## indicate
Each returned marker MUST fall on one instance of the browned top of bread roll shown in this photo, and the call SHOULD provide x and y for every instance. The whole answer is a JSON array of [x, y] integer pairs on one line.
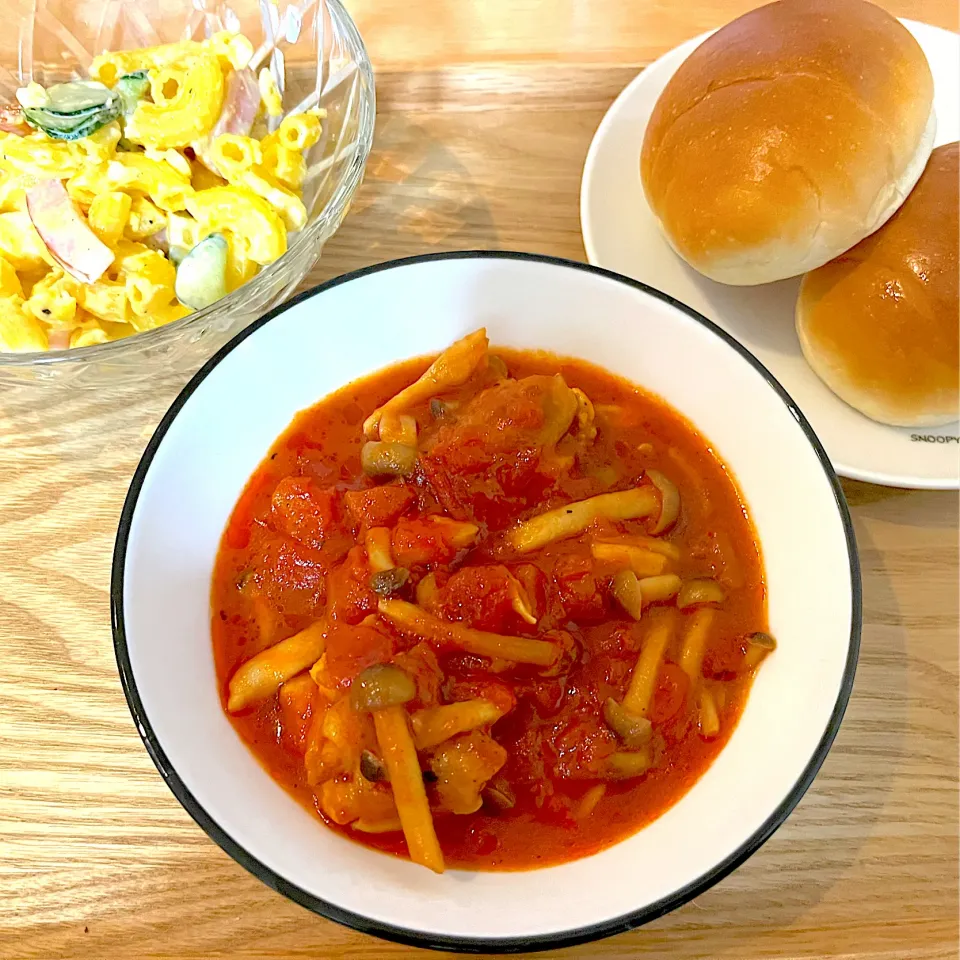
[[788, 136], [881, 323]]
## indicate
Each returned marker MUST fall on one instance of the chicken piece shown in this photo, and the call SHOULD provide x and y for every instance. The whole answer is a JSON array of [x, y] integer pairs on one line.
[[298, 699], [338, 736], [581, 748], [345, 800], [586, 416], [463, 766], [499, 454]]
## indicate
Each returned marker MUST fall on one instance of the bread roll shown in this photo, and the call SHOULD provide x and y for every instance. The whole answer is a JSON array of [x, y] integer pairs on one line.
[[787, 137], [880, 324]]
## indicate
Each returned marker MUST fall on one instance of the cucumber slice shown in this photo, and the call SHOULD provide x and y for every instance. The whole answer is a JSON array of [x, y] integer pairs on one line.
[[73, 128], [131, 88], [74, 110], [202, 273], [44, 117], [77, 96]]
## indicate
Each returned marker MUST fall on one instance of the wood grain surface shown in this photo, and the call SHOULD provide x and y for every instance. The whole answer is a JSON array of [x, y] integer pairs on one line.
[[486, 111]]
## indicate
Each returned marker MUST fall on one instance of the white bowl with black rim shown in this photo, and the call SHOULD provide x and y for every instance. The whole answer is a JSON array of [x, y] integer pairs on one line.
[[223, 423]]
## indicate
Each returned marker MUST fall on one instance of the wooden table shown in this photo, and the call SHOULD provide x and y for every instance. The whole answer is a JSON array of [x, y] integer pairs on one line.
[[485, 114]]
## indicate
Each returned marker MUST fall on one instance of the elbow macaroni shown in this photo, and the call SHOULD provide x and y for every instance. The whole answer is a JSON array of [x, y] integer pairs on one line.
[[238, 211], [145, 220], [286, 167], [108, 215], [20, 332], [40, 157], [287, 204], [233, 50], [136, 173], [88, 333], [300, 132], [106, 300], [53, 299], [12, 194], [270, 93], [149, 278], [109, 67], [147, 192], [186, 105], [10, 285], [20, 244], [232, 155]]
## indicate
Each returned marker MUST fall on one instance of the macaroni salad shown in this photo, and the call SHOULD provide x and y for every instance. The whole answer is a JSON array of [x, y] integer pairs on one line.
[[145, 192]]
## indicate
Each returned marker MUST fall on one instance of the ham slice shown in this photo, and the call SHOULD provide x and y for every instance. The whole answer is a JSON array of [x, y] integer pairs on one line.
[[64, 232]]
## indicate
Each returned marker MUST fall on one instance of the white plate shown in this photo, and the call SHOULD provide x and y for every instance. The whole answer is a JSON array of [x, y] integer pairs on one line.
[[225, 420], [621, 234]]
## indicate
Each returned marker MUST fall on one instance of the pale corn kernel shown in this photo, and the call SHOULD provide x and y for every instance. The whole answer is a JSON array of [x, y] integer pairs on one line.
[[164, 314]]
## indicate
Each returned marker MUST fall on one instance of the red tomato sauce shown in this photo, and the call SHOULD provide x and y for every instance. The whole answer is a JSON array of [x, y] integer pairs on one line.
[[293, 552]]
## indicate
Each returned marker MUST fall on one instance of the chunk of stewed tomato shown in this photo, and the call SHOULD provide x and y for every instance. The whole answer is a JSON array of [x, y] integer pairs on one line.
[[350, 597], [351, 649], [378, 506], [304, 511], [482, 596], [578, 589], [430, 539]]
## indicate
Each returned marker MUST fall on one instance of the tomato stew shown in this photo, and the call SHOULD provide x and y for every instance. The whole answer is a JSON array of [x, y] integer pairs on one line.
[[501, 618]]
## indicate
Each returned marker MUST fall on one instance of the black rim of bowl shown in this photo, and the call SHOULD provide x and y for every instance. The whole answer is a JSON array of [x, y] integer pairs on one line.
[[564, 938]]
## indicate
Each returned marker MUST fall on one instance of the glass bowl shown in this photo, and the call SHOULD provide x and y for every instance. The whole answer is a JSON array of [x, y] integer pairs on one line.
[[315, 53]]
